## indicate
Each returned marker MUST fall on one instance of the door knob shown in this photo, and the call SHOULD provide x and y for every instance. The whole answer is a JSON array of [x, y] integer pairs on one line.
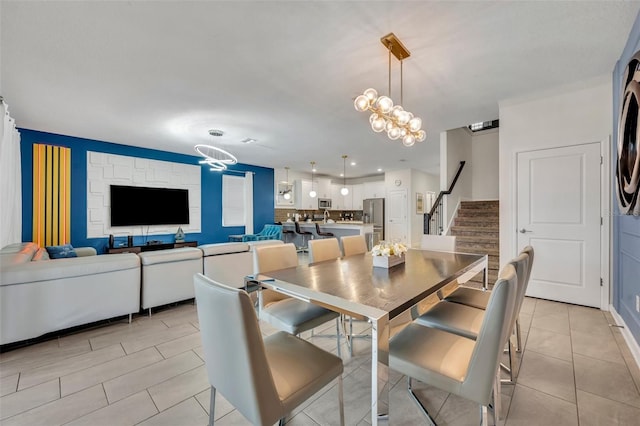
[[522, 231]]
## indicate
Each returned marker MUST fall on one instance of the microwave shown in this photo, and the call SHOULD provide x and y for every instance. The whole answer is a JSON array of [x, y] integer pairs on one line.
[[324, 203]]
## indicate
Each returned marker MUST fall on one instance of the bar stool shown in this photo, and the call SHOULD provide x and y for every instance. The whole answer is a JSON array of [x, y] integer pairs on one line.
[[286, 233], [305, 236], [323, 234]]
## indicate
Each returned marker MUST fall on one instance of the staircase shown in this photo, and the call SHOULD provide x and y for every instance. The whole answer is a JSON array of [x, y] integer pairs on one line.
[[476, 228]]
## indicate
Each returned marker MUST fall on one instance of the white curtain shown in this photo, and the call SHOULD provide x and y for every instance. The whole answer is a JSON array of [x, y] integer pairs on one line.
[[10, 181], [248, 203]]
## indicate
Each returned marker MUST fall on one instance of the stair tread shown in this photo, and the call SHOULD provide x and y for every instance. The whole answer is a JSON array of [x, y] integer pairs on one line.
[[477, 238]]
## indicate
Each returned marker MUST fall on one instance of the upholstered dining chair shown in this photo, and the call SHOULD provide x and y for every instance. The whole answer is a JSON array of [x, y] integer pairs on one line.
[[466, 320], [353, 244], [479, 298], [263, 379], [283, 312], [324, 249], [456, 364], [328, 249]]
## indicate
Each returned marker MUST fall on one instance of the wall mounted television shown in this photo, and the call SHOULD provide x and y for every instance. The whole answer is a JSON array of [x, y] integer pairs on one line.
[[139, 205]]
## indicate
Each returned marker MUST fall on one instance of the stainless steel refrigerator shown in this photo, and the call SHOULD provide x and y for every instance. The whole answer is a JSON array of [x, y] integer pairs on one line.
[[373, 212]]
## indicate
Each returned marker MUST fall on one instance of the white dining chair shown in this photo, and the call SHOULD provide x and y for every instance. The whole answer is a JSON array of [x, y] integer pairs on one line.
[[479, 298], [458, 365], [466, 320], [324, 249], [283, 312], [264, 380], [353, 244]]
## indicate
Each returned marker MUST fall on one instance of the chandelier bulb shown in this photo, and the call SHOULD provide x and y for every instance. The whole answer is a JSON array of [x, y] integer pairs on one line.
[[344, 190], [313, 194], [371, 94], [385, 104], [378, 124], [393, 133], [361, 103], [373, 117], [422, 135], [415, 124], [408, 140]]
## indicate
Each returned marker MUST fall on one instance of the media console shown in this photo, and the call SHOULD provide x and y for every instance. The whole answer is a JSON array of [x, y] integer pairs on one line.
[[151, 247]]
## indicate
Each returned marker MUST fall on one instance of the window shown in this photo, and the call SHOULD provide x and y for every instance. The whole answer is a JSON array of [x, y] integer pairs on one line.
[[233, 201]]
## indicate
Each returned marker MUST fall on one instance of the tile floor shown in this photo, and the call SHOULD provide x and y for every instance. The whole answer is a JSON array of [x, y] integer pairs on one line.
[[575, 370]]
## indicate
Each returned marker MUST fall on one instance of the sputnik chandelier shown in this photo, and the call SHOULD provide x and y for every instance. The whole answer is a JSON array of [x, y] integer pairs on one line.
[[215, 157], [397, 122]]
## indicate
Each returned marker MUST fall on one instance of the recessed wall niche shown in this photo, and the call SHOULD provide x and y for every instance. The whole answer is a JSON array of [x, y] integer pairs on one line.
[[104, 170]]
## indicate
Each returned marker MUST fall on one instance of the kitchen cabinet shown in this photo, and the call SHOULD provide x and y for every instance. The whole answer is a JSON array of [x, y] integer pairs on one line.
[[304, 200], [339, 201], [322, 187], [357, 196], [374, 189]]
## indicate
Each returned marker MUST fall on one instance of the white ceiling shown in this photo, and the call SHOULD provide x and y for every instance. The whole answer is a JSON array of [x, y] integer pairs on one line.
[[161, 74]]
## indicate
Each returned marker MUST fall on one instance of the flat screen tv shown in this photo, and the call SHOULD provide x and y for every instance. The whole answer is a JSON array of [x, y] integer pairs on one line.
[[139, 205]]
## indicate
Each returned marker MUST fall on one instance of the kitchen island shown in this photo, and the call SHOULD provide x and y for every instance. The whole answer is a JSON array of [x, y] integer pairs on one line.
[[339, 229]]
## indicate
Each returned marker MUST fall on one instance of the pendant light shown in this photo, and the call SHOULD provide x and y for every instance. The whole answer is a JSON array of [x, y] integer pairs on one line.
[[287, 191], [344, 190], [312, 193]]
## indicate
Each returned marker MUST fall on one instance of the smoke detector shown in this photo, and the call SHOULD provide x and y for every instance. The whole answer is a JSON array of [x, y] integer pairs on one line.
[[216, 132]]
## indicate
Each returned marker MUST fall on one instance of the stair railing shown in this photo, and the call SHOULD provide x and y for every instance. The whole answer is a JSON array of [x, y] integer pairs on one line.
[[434, 220]]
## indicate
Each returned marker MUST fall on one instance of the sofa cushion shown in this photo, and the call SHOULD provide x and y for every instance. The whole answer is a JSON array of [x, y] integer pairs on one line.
[[66, 268], [223, 248], [170, 255], [61, 252], [41, 254], [18, 253]]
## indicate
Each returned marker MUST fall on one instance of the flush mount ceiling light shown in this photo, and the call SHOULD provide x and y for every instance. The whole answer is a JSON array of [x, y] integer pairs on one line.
[[398, 123], [312, 193], [344, 190], [216, 158]]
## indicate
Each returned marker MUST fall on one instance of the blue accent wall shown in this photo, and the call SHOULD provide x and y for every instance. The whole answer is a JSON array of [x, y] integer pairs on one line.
[[211, 189], [626, 229]]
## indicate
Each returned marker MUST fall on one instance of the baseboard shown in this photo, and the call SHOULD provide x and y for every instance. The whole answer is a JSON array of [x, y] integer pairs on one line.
[[631, 342]]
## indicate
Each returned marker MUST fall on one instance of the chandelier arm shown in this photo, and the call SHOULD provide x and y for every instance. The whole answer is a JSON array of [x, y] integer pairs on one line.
[[389, 72], [401, 84]]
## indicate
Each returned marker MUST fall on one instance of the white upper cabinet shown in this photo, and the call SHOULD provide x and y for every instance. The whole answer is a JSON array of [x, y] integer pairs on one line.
[[322, 187], [305, 200], [374, 189], [357, 196]]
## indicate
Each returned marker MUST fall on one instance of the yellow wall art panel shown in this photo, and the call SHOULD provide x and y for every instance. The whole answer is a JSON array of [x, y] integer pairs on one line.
[[51, 195]]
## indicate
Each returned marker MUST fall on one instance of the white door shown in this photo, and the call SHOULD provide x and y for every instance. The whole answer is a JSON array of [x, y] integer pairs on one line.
[[397, 215], [559, 215]]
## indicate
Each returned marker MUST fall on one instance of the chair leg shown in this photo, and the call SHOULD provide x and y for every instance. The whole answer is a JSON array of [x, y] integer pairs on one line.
[[422, 407], [341, 400], [212, 406], [338, 334], [484, 415], [497, 401], [518, 336], [513, 367]]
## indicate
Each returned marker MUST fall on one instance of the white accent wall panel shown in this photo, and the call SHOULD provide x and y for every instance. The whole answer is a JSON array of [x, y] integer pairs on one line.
[[104, 170]]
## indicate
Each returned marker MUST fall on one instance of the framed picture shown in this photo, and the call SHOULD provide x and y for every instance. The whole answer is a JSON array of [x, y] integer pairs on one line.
[[419, 203]]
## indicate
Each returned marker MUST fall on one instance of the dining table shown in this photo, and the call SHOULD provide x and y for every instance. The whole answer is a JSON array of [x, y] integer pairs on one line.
[[353, 286]]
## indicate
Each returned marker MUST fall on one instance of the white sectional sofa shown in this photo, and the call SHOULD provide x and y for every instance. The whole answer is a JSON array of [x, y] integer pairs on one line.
[[167, 275], [39, 295]]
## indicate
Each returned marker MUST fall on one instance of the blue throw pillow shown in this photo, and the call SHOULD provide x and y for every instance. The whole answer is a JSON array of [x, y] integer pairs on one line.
[[61, 252]]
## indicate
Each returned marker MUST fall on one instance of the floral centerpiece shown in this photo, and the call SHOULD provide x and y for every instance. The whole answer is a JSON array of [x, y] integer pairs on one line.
[[386, 254]]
